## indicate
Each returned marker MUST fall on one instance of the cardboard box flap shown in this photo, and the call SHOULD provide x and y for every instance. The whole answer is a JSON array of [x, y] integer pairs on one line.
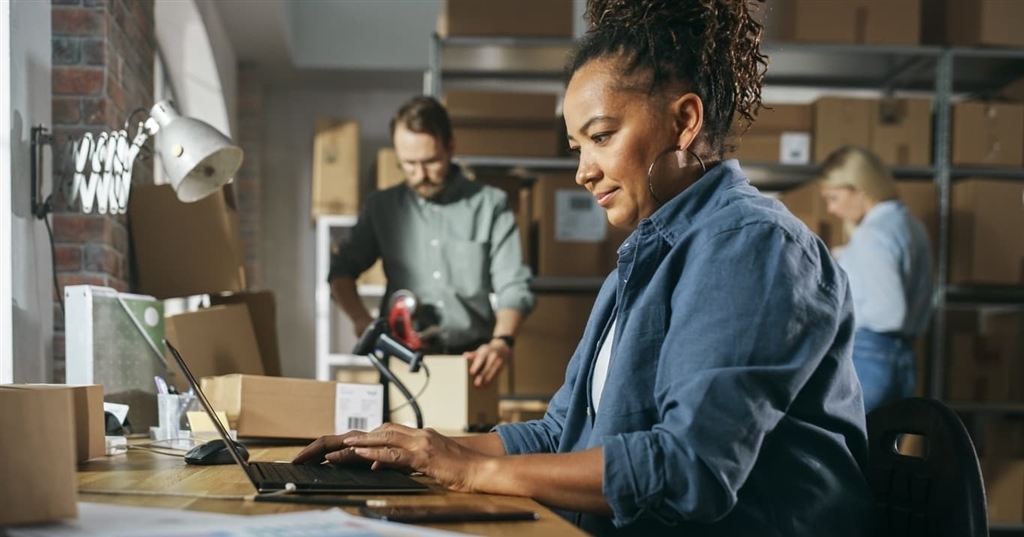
[[263, 314], [214, 341]]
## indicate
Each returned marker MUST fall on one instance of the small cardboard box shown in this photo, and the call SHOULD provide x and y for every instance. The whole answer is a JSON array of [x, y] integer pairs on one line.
[[988, 134], [389, 172], [845, 21], [278, 407], [263, 314], [546, 342], [531, 18], [503, 106], [572, 229], [901, 131], [838, 122], [512, 141], [784, 147], [449, 402], [184, 249], [87, 409], [969, 23], [335, 168], [37, 456], [1004, 489], [219, 340], [986, 243]]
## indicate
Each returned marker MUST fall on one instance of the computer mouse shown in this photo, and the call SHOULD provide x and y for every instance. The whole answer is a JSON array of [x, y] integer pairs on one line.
[[214, 452]]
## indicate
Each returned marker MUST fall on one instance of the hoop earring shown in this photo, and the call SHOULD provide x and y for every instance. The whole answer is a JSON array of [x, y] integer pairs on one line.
[[650, 169]]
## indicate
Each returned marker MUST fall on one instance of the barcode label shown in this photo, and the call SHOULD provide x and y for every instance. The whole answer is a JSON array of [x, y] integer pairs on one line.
[[357, 422], [578, 217], [358, 407]]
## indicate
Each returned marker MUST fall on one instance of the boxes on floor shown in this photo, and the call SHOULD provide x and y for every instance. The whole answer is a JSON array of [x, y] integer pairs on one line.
[[278, 407], [37, 456]]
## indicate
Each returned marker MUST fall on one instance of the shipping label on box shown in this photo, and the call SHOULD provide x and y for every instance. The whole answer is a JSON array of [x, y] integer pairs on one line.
[[795, 148], [358, 407], [578, 217]]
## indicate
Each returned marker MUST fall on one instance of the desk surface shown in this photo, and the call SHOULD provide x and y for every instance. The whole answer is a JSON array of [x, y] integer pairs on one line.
[[146, 471]]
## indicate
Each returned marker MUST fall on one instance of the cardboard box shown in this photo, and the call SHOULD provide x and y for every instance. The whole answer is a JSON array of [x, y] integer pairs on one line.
[[807, 204], [969, 23], [184, 249], [503, 106], [988, 134], [845, 21], [87, 410], [1014, 91], [784, 118], [977, 370], [278, 407], [901, 131], [1004, 489], [520, 201], [335, 167], [546, 342], [373, 275], [535, 141], [839, 122], [986, 243], [449, 402], [263, 314], [219, 340], [785, 148], [1004, 438], [572, 230], [1005, 331], [389, 171], [532, 18], [37, 456], [921, 199]]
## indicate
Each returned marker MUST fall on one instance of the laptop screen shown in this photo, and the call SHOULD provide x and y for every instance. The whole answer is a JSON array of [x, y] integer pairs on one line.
[[209, 410]]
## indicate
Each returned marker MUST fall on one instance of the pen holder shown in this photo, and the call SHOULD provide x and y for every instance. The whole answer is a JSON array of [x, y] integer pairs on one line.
[[169, 413]]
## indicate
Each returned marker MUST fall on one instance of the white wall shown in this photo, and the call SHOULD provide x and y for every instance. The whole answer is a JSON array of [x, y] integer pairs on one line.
[[27, 349], [288, 234]]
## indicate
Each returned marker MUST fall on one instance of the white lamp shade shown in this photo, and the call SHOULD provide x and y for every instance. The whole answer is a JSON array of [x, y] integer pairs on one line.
[[198, 159]]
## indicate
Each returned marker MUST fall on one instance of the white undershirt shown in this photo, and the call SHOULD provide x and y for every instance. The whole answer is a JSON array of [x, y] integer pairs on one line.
[[604, 356]]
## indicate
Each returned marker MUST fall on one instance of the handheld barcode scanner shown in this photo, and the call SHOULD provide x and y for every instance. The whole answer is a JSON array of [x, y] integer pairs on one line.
[[377, 339]]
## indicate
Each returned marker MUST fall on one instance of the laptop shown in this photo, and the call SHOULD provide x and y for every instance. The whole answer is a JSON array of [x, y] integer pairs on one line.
[[321, 478]]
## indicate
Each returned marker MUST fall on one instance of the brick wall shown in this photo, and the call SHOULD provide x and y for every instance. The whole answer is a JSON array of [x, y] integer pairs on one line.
[[248, 180], [103, 56]]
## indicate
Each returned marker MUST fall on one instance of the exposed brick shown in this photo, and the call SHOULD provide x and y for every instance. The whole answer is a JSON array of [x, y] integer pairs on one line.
[[95, 111], [116, 93], [68, 257], [120, 286], [82, 228], [77, 21], [67, 111], [66, 50], [81, 278], [94, 51], [120, 234], [77, 81], [102, 258]]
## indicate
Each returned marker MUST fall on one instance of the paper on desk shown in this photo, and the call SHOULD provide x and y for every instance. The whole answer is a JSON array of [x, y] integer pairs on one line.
[[96, 520]]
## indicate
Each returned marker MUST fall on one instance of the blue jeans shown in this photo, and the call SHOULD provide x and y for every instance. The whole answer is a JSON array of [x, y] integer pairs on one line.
[[886, 367]]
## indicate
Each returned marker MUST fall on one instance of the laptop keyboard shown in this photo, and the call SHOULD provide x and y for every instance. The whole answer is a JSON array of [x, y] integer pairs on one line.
[[324, 475]]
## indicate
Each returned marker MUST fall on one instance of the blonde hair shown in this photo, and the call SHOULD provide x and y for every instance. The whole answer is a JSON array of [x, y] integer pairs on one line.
[[854, 167]]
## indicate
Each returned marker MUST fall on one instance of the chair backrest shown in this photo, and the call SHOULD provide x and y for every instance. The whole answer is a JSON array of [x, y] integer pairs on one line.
[[936, 493]]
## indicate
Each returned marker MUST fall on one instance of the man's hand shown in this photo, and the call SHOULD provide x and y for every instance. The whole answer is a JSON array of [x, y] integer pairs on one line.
[[487, 360]]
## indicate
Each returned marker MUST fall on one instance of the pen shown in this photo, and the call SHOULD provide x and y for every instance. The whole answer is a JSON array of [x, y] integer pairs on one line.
[[317, 500]]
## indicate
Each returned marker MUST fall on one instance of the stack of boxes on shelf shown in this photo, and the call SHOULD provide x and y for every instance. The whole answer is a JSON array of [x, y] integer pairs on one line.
[[1001, 456]]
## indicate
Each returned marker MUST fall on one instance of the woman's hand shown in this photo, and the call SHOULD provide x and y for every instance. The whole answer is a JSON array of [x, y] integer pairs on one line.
[[331, 448], [456, 467]]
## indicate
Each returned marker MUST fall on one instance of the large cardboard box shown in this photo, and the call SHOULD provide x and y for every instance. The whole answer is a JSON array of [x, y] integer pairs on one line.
[[335, 167], [512, 141], [838, 122], [546, 341], [278, 407], [1004, 489], [449, 401], [986, 243], [978, 371], [784, 118], [781, 133], [219, 340], [37, 456], [505, 106], [532, 18], [901, 131], [184, 249], [389, 171], [87, 410], [807, 204], [263, 314], [572, 229], [988, 134], [969, 23], [845, 21], [1014, 91]]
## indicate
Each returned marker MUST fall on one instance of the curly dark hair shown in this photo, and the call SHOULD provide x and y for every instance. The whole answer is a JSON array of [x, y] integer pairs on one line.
[[713, 47]]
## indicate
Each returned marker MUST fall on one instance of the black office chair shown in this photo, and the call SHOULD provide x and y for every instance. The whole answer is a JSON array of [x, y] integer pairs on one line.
[[938, 491]]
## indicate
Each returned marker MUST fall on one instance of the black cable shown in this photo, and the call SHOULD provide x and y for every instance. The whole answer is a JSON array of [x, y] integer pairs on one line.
[[53, 263], [423, 367], [384, 370]]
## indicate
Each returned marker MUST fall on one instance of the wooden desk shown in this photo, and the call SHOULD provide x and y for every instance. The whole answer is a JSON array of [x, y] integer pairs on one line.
[[143, 470]]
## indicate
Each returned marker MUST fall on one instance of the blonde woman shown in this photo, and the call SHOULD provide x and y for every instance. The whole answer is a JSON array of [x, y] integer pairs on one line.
[[888, 262]]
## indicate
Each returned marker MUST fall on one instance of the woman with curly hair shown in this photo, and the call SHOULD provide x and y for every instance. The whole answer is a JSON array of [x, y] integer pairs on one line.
[[713, 391]]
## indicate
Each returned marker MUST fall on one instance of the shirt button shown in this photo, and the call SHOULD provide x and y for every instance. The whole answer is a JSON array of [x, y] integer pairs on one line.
[[434, 242], [437, 275], [439, 303]]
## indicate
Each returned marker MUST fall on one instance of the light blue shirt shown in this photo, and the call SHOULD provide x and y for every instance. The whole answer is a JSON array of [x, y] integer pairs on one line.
[[888, 262], [731, 406]]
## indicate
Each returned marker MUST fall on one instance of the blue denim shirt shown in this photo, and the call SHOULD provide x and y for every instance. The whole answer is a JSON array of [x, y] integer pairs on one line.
[[889, 265], [731, 406]]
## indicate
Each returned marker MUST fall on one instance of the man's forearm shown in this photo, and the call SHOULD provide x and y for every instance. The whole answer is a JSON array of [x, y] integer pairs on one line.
[[344, 292], [507, 321]]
